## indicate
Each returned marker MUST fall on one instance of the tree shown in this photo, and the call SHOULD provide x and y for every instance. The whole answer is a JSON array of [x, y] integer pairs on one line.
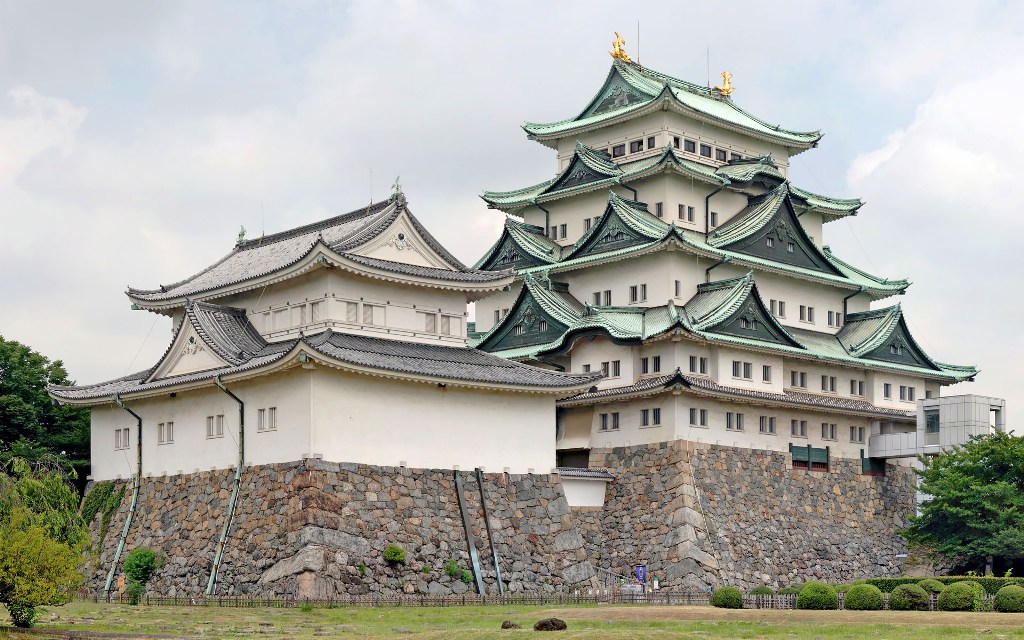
[[41, 536], [28, 418], [976, 505]]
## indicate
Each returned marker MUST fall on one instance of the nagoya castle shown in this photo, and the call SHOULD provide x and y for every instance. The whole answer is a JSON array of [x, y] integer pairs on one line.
[[672, 253]]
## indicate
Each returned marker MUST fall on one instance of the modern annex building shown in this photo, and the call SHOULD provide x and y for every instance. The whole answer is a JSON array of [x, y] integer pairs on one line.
[[672, 254]]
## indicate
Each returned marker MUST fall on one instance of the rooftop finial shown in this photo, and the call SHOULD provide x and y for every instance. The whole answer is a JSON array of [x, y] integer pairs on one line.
[[726, 87], [396, 189], [241, 235], [618, 51]]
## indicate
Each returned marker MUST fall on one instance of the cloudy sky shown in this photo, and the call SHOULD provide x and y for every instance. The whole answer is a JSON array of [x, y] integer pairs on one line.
[[136, 137]]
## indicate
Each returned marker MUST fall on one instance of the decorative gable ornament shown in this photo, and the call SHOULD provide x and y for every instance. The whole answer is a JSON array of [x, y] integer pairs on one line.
[[399, 242], [192, 347]]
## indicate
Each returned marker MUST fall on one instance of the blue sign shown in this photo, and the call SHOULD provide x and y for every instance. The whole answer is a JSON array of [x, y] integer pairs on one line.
[[641, 572]]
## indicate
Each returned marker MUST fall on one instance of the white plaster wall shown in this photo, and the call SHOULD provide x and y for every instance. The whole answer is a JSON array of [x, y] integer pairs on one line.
[[594, 350], [876, 388], [584, 493], [191, 450], [384, 422], [794, 292], [278, 310], [499, 301], [653, 269], [724, 357]]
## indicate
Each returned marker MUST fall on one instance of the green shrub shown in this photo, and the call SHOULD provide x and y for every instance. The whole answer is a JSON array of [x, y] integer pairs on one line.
[[991, 584], [909, 597], [467, 576], [842, 588], [23, 616], [306, 607], [861, 581], [135, 591], [452, 568], [816, 595], [931, 585], [362, 568], [141, 563], [962, 596], [1010, 599], [762, 591], [425, 569], [727, 598], [863, 597], [792, 589], [394, 554]]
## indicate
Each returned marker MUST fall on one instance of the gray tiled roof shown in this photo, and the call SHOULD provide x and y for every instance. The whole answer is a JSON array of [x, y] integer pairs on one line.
[[265, 255], [226, 329], [453, 363], [586, 474], [699, 383]]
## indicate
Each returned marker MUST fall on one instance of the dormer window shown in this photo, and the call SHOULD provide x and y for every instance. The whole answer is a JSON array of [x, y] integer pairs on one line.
[[519, 330], [790, 247], [542, 326], [770, 242], [896, 349]]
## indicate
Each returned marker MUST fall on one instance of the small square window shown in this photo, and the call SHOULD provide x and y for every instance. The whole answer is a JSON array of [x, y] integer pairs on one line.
[[618, 151], [650, 142], [769, 242], [705, 150], [720, 155], [562, 228], [656, 416], [887, 391], [645, 417], [586, 368], [604, 422], [645, 365], [689, 214], [587, 222], [675, 142], [735, 156], [690, 146], [766, 373], [656, 364], [608, 298], [616, 368], [636, 146], [659, 209], [597, 298], [790, 247], [714, 218], [615, 420]]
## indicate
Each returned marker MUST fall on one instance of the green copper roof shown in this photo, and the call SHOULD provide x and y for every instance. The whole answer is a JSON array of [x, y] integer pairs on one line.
[[624, 223], [587, 172], [729, 312], [520, 245], [629, 88]]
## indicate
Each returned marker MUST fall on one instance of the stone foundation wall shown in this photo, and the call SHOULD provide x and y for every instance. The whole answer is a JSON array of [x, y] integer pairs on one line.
[[304, 529], [705, 515]]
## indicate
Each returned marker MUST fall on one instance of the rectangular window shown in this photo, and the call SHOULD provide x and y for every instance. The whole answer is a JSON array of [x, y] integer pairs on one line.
[[497, 316], [720, 155], [454, 325], [446, 325], [215, 426], [693, 416], [553, 233], [373, 314], [834, 318], [586, 368], [699, 417], [281, 319], [618, 151], [587, 222], [604, 422], [737, 368], [828, 431], [714, 218], [608, 298], [209, 426], [615, 420], [645, 417], [121, 438], [887, 391], [903, 392], [636, 146], [803, 313], [782, 309], [675, 142], [766, 424], [657, 364], [429, 322], [261, 419], [645, 365], [798, 379], [352, 312], [794, 427], [803, 428], [597, 298], [689, 214], [616, 368], [856, 387], [316, 311], [729, 420], [705, 150], [605, 368], [810, 314], [563, 230], [704, 365], [650, 142], [678, 288], [272, 419], [690, 146], [828, 383], [504, 312], [856, 434], [735, 156], [633, 293], [659, 209], [766, 373], [910, 393], [656, 416], [931, 421]]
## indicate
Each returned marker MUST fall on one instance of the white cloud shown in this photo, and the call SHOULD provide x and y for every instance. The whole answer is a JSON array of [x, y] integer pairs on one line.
[[35, 124]]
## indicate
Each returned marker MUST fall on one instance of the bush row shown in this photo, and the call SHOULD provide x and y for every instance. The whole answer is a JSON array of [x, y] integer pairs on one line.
[[991, 584], [963, 595]]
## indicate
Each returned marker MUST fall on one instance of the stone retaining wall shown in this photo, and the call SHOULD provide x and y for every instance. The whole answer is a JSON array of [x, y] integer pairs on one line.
[[318, 529], [705, 515]]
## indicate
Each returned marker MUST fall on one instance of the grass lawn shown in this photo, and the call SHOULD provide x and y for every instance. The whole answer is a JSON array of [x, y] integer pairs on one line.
[[614, 622]]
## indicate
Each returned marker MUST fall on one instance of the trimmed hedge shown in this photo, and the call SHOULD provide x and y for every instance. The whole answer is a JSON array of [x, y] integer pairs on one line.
[[817, 595], [1010, 599], [727, 598], [931, 585], [842, 588], [909, 597], [991, 584], [762, 591], [962, 596], [791, 590], [863, 597]]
